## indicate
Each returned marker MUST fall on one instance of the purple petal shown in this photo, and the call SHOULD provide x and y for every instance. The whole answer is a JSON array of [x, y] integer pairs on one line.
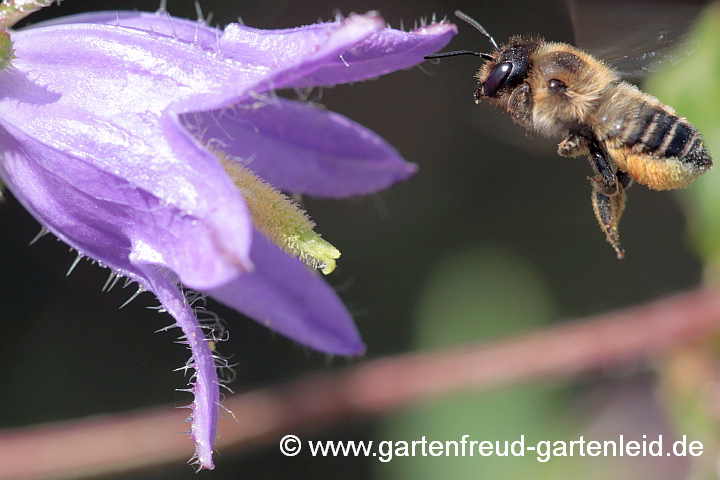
[[191, 31], [296, 53], [204, 384], [278, 50], [105, 217], [302, 149], [383, 52], [104, 97], [363, 57], [131, 231], [285, 295]]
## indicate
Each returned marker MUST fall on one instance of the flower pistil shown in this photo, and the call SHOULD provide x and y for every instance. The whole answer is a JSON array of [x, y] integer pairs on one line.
[[279, 218]]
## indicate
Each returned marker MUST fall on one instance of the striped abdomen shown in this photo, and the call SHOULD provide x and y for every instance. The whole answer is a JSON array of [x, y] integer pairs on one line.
[[649, 141]]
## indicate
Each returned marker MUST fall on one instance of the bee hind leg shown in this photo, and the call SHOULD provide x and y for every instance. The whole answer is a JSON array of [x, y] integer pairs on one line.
[[605, 181], [608, 210]]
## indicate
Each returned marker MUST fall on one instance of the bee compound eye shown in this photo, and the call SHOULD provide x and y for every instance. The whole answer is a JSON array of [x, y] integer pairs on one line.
[[556, 86], [497, 78]]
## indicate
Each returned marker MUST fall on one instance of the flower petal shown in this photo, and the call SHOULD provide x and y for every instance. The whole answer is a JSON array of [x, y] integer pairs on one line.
[[383, 52], [268, 51], [105, 97], [302, 149], [204, 384], [191, 31], [283, 294], [296, 53], [105, 217], [129, 230]]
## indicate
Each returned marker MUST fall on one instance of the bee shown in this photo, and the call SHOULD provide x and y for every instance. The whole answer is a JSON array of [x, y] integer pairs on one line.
[[628, 136]]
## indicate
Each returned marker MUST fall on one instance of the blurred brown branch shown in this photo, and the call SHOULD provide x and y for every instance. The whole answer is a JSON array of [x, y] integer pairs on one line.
[[319, 400]]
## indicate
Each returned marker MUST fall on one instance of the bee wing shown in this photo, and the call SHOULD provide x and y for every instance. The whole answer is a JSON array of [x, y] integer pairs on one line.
[[635, 37]]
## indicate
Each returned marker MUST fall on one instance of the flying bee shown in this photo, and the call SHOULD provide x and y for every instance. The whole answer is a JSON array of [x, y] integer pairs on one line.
[[556, 89]]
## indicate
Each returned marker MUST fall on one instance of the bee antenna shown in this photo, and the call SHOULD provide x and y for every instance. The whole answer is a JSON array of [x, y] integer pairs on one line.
[[475, 24], [459, 52]]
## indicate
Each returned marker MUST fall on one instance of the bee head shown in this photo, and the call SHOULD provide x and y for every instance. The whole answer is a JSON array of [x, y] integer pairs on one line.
[[508, 68], [505, 69]]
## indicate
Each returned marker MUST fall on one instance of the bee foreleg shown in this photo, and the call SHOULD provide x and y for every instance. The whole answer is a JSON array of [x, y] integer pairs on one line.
[[608, 210], [573, 145], [605, 180]]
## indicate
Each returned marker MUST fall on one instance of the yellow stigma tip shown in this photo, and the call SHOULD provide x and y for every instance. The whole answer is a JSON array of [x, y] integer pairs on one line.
[[280, 219]]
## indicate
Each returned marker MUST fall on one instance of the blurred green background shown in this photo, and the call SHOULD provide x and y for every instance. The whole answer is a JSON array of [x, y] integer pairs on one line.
[[494, 236]]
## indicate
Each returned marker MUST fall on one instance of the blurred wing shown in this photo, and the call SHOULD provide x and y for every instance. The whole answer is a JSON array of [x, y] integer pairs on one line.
[[635, 37]]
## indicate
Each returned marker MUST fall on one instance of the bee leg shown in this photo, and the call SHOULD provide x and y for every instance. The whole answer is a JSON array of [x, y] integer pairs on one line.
[[605, 180], [608, 210], [625, 180], [573, 145]]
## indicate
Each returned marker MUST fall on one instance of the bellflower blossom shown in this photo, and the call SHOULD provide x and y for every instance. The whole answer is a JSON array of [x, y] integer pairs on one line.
[[120, 132]]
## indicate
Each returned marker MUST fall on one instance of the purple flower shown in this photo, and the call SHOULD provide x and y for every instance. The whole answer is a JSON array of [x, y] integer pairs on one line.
[[113, 125]]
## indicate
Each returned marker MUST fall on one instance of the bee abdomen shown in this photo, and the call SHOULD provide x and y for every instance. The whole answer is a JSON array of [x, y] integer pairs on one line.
[[659, 133], [648, 141]]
